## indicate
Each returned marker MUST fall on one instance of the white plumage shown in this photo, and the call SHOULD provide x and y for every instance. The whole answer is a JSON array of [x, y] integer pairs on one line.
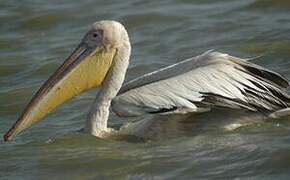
[[211, 80]]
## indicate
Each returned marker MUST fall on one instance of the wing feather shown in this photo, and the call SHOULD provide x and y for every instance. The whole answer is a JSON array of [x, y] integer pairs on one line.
[[198, 84]]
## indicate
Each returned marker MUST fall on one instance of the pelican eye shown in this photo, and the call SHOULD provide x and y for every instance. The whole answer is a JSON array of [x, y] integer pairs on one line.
[[95, 34]]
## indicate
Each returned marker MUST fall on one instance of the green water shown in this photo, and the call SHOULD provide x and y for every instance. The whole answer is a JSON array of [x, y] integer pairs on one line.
[[36, 36]]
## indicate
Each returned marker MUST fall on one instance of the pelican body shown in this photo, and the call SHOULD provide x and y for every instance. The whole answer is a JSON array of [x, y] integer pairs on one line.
[[196, 85]]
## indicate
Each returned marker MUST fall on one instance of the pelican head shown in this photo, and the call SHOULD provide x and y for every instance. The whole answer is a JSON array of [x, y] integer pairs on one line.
[[84, 69]]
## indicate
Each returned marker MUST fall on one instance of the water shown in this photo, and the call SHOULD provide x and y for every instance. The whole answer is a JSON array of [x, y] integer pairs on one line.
[[37, 35]]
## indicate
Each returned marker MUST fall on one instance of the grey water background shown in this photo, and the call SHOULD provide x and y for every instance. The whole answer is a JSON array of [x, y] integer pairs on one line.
[[36, 36]]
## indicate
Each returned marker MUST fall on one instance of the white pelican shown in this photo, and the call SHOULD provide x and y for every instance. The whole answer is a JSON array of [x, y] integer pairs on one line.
[[196, 85]]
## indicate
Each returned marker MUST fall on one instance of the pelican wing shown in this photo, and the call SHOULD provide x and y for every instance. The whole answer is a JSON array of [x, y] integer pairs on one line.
[[211, 80]]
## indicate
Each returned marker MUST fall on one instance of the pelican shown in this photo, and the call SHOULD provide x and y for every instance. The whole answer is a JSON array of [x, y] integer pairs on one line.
[[196, 85]]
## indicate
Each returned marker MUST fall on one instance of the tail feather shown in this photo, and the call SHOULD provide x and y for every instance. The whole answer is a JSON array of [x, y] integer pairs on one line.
[[280, 113]]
